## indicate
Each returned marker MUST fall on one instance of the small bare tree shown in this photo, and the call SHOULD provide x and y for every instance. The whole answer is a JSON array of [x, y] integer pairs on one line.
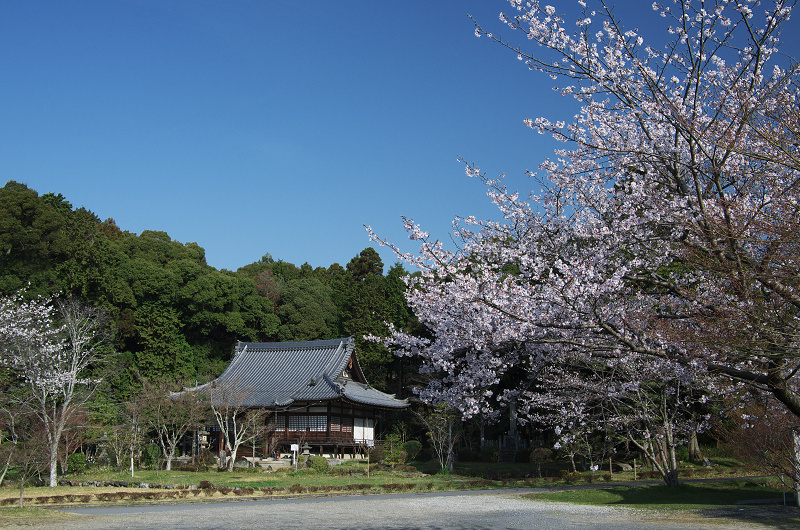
[[77, 432], [273, 441], [171, 415], [238, 422], [759, 430], [443, 425], [10, 410], [119, 441], [133, 427], [25, 448]]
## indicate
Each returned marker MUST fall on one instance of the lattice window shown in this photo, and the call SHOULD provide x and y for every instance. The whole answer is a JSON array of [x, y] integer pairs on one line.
[[298, 423], [318, 423], [347, 425], [336, 424]]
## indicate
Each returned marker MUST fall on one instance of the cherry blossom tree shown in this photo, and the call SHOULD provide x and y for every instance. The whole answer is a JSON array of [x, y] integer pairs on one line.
[[50, 346], [667, 231], [596, 402]]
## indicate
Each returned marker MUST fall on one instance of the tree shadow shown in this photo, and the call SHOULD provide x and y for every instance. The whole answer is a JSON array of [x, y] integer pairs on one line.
[[764, 504]]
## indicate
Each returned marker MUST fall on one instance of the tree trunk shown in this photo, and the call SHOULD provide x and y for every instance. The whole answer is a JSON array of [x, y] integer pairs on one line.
[[64, 463], [662, 455], [54, 424], [450, 445], [168, 451], [695, 455], [22, 492], [54, 463], [233, 450], [5, 468], [670, 477], [796, 462]]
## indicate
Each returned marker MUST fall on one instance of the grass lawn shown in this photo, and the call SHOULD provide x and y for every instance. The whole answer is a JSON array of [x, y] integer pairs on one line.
[[32, 516], [351, 478], [185, 485], [697, 503], [681, 497]]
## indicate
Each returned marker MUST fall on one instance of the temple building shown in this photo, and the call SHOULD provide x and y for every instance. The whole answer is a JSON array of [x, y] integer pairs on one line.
[[316, 391]]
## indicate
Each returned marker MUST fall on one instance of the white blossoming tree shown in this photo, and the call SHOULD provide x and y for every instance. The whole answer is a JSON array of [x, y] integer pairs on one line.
[[668, 230], [50, 346]]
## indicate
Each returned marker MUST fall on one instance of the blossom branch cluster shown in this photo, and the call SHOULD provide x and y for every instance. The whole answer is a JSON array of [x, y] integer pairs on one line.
[[665, 236]]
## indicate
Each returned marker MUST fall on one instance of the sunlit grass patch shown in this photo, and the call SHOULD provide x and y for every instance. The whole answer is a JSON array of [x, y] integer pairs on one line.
[[32, 515]]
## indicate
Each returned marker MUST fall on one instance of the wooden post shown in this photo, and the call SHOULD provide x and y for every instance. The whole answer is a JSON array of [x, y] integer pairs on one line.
[[610, 466], [634, 469]]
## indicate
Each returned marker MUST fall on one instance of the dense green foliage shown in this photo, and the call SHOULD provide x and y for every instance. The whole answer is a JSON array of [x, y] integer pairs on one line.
[[412, 449], [175, 316], [318, 464]]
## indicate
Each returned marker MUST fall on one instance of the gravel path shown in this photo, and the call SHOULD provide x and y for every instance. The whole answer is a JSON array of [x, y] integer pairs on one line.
[[427, 511]]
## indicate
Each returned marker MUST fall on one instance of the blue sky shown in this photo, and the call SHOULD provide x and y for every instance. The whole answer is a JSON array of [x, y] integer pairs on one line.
[[279, 127]]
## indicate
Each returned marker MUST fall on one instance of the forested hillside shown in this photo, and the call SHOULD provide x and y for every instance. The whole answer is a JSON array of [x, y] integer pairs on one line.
[[175, 316]]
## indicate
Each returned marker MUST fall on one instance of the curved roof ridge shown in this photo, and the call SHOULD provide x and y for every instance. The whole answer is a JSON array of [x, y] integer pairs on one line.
[[279, 373], [294, 345], [341, 357], [239, 350]]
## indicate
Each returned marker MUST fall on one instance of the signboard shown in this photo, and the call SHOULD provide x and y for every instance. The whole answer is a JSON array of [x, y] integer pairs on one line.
[[295, 447]]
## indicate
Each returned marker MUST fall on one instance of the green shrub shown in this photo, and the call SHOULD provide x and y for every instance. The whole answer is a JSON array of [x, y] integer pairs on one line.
[[194, 468], [393, 453], [540, 455], [376, 453], [207, 458], [412, 449], [76, 463], [318, 464], [151, 455], [489, 454], [570, 476], [340, 471]]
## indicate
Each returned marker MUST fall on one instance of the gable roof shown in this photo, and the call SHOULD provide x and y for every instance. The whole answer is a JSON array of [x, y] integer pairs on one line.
[[278, 374]]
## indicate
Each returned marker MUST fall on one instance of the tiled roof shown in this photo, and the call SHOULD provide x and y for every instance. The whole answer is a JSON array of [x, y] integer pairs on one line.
[[277, 374]]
